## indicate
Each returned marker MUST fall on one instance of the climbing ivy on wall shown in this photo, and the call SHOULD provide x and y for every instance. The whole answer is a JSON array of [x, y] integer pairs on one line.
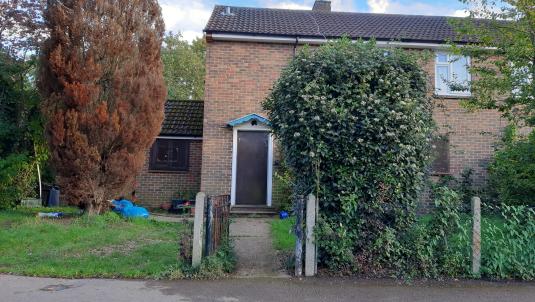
[[354, 123]]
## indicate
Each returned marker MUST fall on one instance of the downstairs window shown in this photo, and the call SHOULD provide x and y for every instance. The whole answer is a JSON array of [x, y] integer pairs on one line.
[[169, 155]]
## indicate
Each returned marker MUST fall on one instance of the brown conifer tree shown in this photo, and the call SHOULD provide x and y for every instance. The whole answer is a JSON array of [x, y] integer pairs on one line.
[[102, 80]]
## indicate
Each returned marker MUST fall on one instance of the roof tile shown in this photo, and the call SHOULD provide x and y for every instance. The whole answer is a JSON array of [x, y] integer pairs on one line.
[[304, 23], [183, 118]]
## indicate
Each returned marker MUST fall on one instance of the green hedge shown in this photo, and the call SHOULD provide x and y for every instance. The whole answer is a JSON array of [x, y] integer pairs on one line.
[[512, 172], [354, 124]]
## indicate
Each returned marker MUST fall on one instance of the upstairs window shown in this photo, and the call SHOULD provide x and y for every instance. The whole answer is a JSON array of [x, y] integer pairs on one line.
[[522, 78], [169, 155], [452, 77]]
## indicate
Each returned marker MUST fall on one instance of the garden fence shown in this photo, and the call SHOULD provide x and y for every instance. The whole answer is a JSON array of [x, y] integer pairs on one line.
[[217, 222]]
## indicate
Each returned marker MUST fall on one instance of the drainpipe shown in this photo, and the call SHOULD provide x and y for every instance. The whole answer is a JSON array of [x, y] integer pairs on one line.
[[295, 45]]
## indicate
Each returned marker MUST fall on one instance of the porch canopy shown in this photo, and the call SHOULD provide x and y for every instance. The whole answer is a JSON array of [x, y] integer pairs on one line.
[[252, 119]]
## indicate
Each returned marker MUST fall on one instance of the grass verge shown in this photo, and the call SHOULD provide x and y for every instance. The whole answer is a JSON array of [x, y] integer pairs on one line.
[[80, 247], [282, 235]]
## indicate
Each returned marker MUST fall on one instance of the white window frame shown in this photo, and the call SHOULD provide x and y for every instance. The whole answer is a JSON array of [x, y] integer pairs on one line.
[[448, 64]]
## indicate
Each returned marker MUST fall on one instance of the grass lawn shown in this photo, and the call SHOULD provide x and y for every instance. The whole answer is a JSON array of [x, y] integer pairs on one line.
[[102, 246], [282, 235]]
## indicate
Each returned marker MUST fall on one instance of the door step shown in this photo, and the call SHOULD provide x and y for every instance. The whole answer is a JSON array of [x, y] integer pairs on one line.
[[247, 210]]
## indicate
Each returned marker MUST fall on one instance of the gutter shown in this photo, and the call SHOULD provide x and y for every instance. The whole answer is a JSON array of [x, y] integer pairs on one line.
[[180, 137]]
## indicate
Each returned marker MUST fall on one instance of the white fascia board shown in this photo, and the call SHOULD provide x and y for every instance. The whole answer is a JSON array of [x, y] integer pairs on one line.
[[249, 38]]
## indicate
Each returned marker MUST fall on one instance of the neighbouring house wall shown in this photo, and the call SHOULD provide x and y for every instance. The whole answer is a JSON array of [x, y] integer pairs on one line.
[[154, 188], [239, 75]]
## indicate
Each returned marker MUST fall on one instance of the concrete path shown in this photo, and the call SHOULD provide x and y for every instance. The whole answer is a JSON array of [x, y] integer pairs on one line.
[[253, 247], [27, 289]]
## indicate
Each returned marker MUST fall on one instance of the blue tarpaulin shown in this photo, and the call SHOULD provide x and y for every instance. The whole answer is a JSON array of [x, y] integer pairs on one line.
[[128, 210]]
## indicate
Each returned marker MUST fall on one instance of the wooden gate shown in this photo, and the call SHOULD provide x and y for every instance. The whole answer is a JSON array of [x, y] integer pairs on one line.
[[217, 222]]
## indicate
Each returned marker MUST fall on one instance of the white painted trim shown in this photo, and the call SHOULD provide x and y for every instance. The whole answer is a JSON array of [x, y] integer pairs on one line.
[[269, 191], [180, 137], [234, 165], [269, 184], [290, 40]]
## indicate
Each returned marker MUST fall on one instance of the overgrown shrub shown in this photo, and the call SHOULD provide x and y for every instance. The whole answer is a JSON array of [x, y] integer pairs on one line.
[[18, 179], [283, 186], [463, 186], [220, 264], [354, 124], [508, 249], [512, 172], [439, 244], [448, 238]]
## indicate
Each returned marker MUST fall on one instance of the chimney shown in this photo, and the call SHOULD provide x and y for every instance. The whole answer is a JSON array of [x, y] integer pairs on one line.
[[322, 6]]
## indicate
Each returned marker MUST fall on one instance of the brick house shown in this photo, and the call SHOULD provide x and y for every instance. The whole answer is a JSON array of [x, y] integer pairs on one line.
[[246, 51]]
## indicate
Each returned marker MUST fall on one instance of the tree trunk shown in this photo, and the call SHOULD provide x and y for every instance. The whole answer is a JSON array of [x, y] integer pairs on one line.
[[96, 205]]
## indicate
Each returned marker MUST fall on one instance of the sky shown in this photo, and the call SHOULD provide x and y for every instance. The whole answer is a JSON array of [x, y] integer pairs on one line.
[[190, 16]]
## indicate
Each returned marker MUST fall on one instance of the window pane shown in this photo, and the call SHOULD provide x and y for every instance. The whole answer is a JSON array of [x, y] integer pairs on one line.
[[183, 158], [442, 58], [442, 79], [460, 72], [173, 154], [161, 151]]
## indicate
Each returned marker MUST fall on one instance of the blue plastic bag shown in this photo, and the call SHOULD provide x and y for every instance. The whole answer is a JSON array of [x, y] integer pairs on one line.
[[283, 215], [128, 210], [132, 212], [119, 205]]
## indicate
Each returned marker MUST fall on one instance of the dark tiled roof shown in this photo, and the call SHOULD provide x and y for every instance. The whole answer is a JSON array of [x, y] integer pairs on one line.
[[183, 118], [304, 23]]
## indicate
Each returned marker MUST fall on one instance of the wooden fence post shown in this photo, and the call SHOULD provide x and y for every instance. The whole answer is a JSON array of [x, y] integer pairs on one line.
[[310, 248], [196, 255], [299, 236], [476, 235]]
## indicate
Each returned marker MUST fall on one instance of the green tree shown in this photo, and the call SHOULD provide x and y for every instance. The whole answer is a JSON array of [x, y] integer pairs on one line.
[[503, 57], [183, 67], [512, 171], [22, 147]]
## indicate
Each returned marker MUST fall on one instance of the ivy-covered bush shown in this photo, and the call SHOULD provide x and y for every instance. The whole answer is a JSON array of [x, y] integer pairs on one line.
[[512, 172], [354, 124]]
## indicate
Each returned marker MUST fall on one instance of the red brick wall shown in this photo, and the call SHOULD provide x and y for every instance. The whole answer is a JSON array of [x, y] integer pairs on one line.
[[239, 76], [153, 188]]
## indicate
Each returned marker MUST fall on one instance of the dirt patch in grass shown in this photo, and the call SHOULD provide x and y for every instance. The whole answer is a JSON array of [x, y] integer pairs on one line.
[[124, 248], [6, 224]]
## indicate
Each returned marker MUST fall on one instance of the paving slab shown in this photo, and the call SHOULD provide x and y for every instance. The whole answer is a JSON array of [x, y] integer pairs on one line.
[[254, 250]]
